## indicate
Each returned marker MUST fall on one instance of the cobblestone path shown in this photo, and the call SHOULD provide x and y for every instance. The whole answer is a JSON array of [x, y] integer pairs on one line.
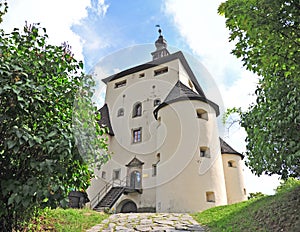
[[159, 222]]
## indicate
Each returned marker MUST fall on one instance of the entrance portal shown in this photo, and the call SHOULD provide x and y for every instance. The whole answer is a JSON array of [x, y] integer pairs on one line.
[[129, 207]]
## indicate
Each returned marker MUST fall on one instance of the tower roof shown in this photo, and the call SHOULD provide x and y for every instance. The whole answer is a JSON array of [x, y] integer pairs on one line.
[[105, 120], [180, 92], [226, 149]]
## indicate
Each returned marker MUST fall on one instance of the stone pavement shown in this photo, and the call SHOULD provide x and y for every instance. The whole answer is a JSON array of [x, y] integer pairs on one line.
[[159, 222]]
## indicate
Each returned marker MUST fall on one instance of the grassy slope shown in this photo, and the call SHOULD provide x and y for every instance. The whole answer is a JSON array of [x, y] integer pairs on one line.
[[271, 213], [60, 220]]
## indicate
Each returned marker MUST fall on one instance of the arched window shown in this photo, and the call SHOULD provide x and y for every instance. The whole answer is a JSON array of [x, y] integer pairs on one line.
[[137, 110], [156, 102], [120, 112]]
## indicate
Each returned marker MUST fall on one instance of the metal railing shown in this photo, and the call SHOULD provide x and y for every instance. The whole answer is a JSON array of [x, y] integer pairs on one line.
[[112, 183]]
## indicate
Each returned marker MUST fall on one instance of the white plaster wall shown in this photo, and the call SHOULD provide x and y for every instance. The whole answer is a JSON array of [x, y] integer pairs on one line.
[[234, 179], [183, 176]]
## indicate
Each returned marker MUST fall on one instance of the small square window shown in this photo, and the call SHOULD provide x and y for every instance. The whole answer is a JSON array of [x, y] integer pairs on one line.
[[156, 102], [160, 71], [137, 135], [120, 84], [202, 114], [231, 164], [103, 175], [116, 174], [210, 197], [142, 75], [204, 152]]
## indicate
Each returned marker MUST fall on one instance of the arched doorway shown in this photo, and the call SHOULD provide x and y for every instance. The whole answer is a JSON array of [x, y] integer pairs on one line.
[[135, 180], [129, 207]]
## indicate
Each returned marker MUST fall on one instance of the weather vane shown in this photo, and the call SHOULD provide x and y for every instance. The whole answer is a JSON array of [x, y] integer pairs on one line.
[[159, 30]]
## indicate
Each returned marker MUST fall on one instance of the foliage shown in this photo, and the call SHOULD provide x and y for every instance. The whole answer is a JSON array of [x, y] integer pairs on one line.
[[269, 213], [256, 195], [39, 158], [75, 220], [287, 185], [267, 38]]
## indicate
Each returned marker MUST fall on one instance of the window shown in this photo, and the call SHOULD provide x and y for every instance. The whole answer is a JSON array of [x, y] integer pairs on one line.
[[154, 166], [156, 102], [204, 152], [103, 175], [231, 164], [154, 169], [120, 84], [160, 71], [137, 135], [210, 197], [245, 192], [116, 174], [137, 110], [142, 75], [120, 112], [202, 114]]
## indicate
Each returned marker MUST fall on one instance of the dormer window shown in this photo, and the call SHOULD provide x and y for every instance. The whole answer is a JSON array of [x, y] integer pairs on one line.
[[120, 84], [156, 102], [160, 71], [137, 110]]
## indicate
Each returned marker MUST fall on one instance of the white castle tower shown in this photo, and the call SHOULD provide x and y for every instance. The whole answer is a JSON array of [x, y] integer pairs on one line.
[[166, 152]]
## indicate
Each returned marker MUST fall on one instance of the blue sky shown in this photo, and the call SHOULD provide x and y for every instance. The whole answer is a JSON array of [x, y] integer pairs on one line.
[[97, 28]]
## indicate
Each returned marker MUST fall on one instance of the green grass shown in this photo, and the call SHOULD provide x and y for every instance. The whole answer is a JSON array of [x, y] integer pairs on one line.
[[270, 213], [66, 220]]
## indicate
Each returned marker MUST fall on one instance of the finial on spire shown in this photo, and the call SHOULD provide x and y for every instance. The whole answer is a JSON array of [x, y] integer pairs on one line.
[[159, 30], [161, 46]]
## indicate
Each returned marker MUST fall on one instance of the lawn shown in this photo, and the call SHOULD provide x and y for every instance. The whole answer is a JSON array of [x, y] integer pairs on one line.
[[66, 220], [270, 213]]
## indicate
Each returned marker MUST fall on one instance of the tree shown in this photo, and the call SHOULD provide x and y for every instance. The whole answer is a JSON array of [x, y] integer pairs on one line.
[[39, 159], [267, 39]]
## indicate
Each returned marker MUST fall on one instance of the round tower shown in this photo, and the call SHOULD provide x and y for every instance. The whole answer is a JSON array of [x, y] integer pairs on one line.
[[233, 172]]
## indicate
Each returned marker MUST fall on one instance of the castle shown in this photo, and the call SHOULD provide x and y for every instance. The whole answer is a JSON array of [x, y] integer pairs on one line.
[[167, 155]]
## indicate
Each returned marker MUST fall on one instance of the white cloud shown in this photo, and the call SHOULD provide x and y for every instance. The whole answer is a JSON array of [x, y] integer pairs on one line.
[[56, 16], [99, 7]]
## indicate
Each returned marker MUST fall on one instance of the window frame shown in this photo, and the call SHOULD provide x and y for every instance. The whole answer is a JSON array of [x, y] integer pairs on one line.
[[137, 135]]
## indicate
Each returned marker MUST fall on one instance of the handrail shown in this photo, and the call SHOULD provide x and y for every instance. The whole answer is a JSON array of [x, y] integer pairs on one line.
[[112, 183]]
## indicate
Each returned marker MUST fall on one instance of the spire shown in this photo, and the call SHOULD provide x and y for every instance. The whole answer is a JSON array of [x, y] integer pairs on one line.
[[161, 46]]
